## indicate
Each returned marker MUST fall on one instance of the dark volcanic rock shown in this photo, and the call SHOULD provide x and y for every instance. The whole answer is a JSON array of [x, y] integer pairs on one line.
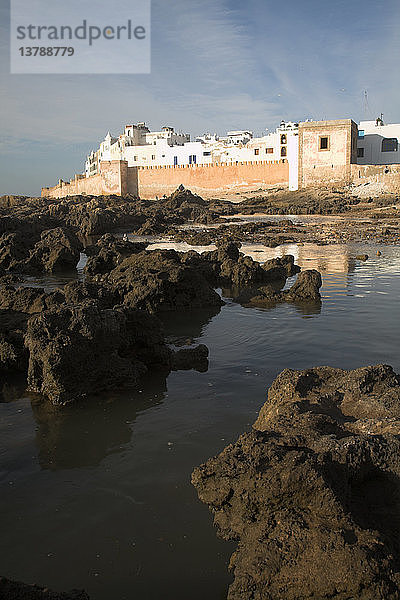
[[78, 350], [191, 358], [159, 281], [108, 252], [78, 292], [305, 288], [311, 494], [182, 196], [14, 249], [58, 249], [15, 590]]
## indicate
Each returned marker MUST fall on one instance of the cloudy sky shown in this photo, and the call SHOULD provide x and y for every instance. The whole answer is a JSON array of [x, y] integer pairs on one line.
[[216, 65]]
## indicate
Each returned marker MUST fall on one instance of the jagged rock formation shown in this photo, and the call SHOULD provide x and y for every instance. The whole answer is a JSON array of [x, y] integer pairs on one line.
[[15, 590], [311, 494], [56, 250], [159, 281], [304, 290], [108, 252], [78, 350]]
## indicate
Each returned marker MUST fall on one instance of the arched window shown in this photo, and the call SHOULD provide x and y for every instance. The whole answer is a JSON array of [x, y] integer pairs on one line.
[[283, 138], [283, 151]]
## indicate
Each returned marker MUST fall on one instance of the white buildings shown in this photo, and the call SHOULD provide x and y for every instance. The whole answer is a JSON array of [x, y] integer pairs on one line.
[[378, 144], [143, 148]]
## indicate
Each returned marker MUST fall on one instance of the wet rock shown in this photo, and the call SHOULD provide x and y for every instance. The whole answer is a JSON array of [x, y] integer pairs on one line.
[[23, 299], [311, 493], [79, 350], [14, 250], [305, 288], [108, 252], [57, 250], [160, 281], [284, 262], [191, 358], [79, 292], [15, 590], [182, 196]]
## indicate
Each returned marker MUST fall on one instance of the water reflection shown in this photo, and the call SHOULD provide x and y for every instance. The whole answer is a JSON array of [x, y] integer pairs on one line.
[[83, 435]]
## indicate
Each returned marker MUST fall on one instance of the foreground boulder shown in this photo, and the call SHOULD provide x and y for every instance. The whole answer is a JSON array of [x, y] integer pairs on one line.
[[79, 350], [160, 281], [305, 290], [57, 250], [108, 252], [311, 494], [15, 590]]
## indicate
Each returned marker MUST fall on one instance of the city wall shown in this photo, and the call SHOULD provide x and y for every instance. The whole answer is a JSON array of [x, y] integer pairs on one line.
[[112, 179], [116, 177], [212, 180], [387, 177]]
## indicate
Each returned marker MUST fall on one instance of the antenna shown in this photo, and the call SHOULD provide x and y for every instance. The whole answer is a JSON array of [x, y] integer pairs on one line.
[[366, 107]]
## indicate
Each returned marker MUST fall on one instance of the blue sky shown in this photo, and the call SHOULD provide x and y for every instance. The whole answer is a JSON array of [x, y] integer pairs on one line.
[[216, 65]]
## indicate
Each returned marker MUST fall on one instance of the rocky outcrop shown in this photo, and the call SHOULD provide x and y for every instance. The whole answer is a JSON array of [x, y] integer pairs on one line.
[[191, 358], [14, 250], [78, 350], [15, 590], [108, 252], [160, 281], [305, 290], [228, 267], [311, 493], [57, 250]]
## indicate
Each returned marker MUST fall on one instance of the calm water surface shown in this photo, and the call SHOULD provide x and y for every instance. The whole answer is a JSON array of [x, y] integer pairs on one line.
[[98, 495]]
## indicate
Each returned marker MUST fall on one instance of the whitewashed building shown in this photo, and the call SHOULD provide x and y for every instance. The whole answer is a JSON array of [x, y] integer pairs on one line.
[[143, 148], [378, 143]]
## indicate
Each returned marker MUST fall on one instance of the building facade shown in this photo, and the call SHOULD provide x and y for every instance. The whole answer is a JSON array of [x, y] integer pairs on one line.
[[142, 148], [378, 143], [296, 155]]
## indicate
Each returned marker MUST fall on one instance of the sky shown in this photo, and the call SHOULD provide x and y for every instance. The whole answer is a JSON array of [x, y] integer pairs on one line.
[[216, 65]]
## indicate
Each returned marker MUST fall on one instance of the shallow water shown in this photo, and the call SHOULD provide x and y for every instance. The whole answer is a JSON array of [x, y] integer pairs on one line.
[[99, 496]]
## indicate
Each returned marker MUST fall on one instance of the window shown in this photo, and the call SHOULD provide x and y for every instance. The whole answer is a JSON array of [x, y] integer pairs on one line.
[[256, 151], [360, 152], [192, 159], [390, 145], [206, 153], [269, 150], [283, 151], [283, 138], [135, 158], [323, 142], [361, 134], [153, 157]]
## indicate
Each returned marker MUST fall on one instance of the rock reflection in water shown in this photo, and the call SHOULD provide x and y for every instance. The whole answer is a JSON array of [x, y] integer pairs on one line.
[[83, 435]]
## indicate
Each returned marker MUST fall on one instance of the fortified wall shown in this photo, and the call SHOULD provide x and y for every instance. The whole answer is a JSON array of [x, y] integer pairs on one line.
[[388, 177], [116, 177], [327, 154], [112, 179]]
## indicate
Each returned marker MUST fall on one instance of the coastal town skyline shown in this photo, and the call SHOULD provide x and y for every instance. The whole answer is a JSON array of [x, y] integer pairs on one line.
[[217, 66]]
